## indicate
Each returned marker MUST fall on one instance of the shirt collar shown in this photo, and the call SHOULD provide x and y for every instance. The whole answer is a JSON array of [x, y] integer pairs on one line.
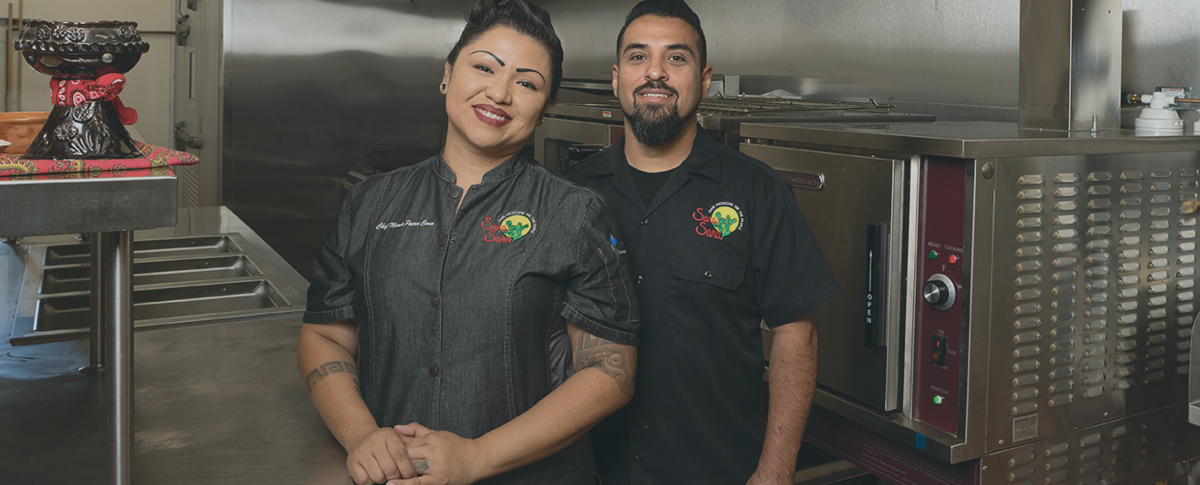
[[704, 158], [500, 172]]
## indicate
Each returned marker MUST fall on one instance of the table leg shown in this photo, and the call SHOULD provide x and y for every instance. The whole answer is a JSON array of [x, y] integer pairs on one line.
[[96, 363], [116, 262]]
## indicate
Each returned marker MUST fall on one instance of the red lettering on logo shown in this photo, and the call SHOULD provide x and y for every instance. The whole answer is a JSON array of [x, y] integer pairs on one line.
[[495, 231], [702, 228]]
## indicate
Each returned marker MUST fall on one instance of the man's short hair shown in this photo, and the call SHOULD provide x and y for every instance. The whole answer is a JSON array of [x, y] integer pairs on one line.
[[677, 9]]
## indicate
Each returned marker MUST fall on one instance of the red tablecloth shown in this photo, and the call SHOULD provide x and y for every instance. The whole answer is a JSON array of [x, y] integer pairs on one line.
[[154, 158]]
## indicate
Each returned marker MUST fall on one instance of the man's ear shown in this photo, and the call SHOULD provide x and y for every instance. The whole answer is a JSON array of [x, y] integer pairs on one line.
[[706, 80], [616, 75]]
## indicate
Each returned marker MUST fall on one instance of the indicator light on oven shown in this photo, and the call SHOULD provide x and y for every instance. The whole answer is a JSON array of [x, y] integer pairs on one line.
[[933, 255], [937, 400], [952, 259]]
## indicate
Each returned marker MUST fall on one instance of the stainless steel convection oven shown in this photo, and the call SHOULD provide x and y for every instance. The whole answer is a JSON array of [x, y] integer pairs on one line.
[[1019, 304]]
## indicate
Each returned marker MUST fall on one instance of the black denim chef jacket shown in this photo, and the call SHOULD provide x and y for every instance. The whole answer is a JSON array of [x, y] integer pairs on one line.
[[704, 287], [460, 316]]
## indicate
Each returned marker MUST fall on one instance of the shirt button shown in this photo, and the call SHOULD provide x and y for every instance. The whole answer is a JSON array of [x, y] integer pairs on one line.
[[639, 280], [645, 221], [637, 459], [453, 239], [433, 371], [708, 274], [474, 188], [435, 301], [442, 241]]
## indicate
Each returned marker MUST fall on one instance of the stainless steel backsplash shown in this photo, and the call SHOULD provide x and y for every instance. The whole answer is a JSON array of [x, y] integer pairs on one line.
[[311, 86]]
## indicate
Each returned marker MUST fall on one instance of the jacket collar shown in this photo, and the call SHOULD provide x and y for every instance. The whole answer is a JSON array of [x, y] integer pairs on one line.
[[500, 172]]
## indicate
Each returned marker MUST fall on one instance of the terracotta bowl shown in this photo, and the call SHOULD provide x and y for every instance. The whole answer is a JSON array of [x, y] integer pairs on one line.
[[20, 127]]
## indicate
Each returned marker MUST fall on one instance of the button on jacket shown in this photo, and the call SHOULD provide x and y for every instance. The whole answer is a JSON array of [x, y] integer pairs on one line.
[[461, 317], [721, 248]]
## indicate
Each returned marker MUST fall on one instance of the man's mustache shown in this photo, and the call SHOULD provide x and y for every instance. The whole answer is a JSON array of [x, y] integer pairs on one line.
[[655, 85]]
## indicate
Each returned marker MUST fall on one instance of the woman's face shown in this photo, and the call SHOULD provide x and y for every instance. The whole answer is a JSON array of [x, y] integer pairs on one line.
[[496, 91]]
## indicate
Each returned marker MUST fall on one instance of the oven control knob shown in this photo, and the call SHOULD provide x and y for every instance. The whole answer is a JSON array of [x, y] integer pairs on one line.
[[939, 292]]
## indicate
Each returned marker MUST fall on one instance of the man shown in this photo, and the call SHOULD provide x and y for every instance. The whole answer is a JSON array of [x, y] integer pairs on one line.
[[718, 245]]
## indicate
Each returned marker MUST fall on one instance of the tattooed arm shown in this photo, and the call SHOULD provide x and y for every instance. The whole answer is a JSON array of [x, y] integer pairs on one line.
[[603, 382], [325, 356], [616, 361]]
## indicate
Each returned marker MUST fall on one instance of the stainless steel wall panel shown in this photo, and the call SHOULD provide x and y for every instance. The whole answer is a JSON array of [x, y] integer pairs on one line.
[[1070, 64], [312, 87]]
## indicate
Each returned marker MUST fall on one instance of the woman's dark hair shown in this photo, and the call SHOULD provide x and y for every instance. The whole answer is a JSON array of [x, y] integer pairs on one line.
[[522, 16], [677, 9]]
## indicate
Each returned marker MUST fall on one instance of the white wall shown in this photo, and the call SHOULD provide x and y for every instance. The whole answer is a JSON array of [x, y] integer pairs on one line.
[[148, 85]]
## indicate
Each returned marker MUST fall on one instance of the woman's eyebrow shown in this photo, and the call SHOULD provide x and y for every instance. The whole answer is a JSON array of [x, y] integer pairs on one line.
[[494, 56], [522, 69]]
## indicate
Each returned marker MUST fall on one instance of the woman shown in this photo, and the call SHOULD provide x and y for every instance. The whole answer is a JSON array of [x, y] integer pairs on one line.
[[444, 288]]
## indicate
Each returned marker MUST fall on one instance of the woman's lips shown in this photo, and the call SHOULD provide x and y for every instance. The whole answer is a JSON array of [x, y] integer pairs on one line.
[[491, 115]]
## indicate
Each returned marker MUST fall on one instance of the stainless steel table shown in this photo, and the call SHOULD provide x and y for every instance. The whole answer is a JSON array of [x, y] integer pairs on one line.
[[110, 207]]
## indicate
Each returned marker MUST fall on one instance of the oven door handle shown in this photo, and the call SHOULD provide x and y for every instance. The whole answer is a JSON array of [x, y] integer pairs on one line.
[[876, 297]]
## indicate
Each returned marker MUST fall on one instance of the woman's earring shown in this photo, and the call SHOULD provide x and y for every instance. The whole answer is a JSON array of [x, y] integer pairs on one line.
[[443, 86]]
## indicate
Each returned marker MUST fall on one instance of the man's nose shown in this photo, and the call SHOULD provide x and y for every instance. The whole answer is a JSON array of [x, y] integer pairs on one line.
[[656, 70]]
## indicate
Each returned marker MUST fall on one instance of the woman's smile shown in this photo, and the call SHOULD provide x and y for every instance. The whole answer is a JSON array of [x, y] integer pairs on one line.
[[492, 115]]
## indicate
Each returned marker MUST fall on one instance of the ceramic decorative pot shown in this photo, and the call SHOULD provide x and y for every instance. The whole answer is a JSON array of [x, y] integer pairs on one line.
[[87, 62]]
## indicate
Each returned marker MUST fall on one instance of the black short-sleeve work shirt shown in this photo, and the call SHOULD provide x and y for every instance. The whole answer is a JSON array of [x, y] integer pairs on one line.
[[461, 317], [722, 247]]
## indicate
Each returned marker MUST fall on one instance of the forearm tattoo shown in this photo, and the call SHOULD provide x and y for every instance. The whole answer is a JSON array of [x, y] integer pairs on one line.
[[328, 368], [614, 360]]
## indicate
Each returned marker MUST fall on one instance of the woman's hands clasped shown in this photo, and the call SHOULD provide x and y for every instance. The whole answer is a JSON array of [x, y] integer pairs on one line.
[[378, 456], [441, 457]]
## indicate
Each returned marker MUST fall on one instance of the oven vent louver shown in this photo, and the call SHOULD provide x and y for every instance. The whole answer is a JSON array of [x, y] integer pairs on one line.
[[1103, 288], [1124, 450]]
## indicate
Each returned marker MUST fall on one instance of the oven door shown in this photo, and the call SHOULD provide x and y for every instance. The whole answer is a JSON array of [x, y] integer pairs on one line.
[[856, 208]]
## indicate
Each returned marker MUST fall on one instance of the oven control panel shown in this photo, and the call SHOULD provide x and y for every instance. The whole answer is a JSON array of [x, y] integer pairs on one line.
[[940, 310]]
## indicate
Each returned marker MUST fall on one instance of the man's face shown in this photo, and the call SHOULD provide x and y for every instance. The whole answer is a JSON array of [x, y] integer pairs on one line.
[[658, 77]]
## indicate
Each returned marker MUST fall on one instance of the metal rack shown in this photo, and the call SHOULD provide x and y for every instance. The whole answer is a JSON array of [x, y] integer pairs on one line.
[[760, 105]]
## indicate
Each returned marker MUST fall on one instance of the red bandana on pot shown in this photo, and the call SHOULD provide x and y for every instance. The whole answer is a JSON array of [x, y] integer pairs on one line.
[[78, 92]]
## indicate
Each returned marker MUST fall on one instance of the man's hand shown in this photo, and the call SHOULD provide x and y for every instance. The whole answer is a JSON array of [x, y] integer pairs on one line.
[[441, 457], [761, 477], [378, 456]]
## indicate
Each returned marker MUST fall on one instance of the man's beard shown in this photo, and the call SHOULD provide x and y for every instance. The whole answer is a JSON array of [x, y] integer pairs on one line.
[[655, 124]]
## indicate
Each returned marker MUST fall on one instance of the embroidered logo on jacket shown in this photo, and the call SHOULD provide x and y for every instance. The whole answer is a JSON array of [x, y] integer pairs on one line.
[[720, 220], [512, 226]]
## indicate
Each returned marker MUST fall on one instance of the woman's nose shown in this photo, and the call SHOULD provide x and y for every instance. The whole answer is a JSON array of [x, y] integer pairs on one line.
[[499, 92]]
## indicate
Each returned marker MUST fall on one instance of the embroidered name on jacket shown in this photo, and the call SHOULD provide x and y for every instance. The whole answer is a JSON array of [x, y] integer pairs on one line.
[[512, 227], [720, 220], [383, 226]]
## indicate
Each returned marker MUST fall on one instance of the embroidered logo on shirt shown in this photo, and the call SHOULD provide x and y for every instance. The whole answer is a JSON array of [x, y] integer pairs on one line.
[[720, 220], [512, 226], [383, 226]]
